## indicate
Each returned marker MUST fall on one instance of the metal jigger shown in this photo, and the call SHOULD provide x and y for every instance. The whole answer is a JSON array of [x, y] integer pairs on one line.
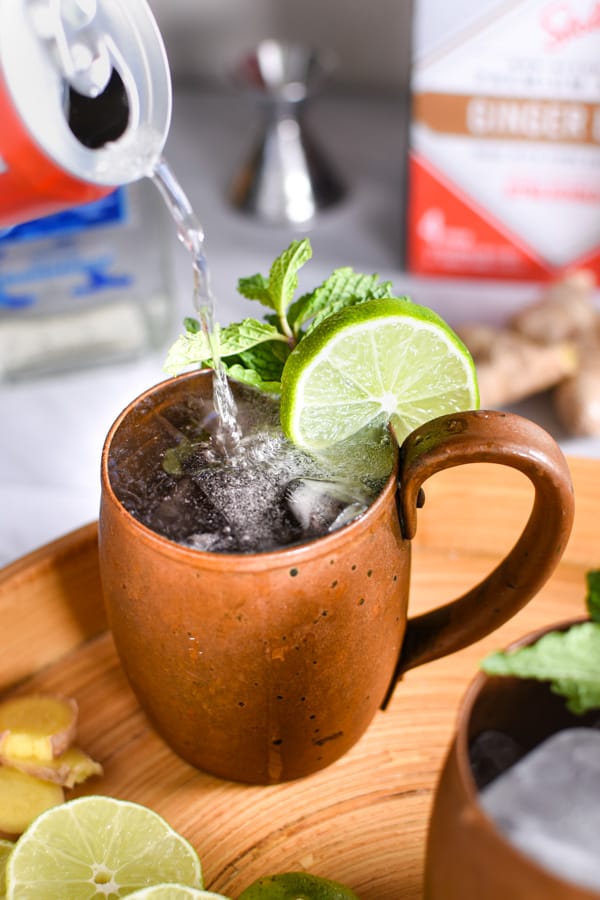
[[286, 180]]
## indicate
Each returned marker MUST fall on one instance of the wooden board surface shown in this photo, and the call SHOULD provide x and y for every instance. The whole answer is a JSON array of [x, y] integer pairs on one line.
[[363, 821]]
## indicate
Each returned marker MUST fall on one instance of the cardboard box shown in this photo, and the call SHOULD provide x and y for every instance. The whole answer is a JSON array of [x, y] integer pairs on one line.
[[504, 163]]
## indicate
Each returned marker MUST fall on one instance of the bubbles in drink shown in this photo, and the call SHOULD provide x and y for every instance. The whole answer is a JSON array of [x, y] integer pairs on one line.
[[267, 495]]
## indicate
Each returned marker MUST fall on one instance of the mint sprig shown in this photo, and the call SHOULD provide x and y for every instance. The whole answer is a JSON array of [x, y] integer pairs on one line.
[[254, 351], [343, 288], [277, 291], [569, 660], [193, 347]]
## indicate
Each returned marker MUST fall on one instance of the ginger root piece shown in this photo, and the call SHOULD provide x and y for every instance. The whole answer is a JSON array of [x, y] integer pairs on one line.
[[552, 343], [22, 798], [565, 312], [577, 399], [70, 768], [37, 726], [511, 367]]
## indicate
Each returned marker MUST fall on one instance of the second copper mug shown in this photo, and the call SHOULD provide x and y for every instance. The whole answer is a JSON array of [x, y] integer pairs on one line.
[[266, 667], [468, 856]]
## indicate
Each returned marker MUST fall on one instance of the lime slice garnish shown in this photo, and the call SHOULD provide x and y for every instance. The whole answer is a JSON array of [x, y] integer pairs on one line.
[[5, 850], [98, 847], [174, 892], [296, 886], [385, 360]]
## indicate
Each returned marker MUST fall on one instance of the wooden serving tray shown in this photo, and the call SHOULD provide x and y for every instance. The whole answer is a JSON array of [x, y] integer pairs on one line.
[[363, 821]]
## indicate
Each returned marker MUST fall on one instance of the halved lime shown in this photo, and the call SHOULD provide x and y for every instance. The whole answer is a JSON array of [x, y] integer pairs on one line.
[[5, 851], [296, 886], [174, 892], [384, 360], [98, 847]]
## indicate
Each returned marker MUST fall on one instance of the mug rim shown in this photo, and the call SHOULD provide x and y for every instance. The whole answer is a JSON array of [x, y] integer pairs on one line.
[[283, 557]]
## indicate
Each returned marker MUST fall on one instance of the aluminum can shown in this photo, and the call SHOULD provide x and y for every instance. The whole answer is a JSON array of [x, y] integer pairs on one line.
[[85, 102]]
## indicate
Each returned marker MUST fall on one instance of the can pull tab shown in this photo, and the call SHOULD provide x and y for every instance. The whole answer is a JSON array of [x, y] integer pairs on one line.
[[80, 51]]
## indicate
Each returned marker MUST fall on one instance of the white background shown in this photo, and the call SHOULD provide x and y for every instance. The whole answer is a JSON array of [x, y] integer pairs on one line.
[[370, 38]]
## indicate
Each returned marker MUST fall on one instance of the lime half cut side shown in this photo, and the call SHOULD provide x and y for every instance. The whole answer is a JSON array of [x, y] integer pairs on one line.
[[385, 360], [98, 847]]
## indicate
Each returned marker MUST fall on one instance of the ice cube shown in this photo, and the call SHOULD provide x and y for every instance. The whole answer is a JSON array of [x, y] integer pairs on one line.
[[349, 513], [490, 754], [316, 504], [203, 541], [548, 805]]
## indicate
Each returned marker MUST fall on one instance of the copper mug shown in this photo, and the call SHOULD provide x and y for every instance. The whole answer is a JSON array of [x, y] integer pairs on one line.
[[266, 667], [468, 857]]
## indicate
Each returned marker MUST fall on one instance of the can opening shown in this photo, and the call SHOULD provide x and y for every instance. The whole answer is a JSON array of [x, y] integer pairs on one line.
[[97, 120]]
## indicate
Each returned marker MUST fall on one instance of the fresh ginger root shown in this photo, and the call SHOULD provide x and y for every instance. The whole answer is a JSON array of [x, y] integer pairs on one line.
[[38, 726], [23, 798], [552, 344], [69, 769], [511, 367], [38, 757], [565, 312], [577, 399]]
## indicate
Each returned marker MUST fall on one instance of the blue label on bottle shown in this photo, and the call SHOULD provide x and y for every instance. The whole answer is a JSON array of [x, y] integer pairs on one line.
[[87, 276], [81, 270], [109, 210]]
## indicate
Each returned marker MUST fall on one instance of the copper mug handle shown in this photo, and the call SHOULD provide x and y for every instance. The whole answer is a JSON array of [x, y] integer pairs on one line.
[[493, 437]]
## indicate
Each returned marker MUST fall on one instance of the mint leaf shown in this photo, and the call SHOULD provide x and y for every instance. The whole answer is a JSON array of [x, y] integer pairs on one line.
[[343, 288], [240, 336], [239, 372], [192, 348], [189, 349], [256, 287], [192, 325], [569, 660], [277, 291], [260, 366], [283, 277], [365, 288], [266, 359], [593, 594]]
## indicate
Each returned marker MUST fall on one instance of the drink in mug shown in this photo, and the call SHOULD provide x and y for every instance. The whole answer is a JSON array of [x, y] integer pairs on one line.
[[264, 495]]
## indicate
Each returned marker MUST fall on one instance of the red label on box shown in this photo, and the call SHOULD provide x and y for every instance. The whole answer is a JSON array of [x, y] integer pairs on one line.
[[504, 171]]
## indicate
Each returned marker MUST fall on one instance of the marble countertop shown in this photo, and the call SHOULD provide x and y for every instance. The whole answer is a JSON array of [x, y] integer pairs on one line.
[[53, 428]]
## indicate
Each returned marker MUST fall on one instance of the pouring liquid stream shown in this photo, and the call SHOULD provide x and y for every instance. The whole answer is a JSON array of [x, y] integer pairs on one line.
[[191, 235]]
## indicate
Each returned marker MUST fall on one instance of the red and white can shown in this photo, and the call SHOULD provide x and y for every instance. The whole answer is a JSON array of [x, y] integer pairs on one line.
[[85, 101]]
